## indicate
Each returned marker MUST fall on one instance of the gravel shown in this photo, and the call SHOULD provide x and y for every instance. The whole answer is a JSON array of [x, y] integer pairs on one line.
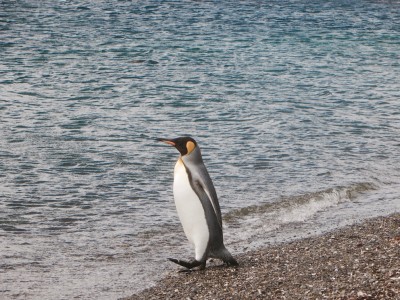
[[357, 262]]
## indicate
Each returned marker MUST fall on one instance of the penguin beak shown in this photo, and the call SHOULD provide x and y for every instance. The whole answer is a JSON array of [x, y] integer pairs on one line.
[[169, 142]]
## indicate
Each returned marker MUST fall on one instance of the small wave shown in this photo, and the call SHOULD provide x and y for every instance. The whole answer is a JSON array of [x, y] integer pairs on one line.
[[294, 217], [299, 208]]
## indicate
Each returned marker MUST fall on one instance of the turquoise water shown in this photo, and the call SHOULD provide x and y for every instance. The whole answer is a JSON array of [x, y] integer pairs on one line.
[[295, 106]]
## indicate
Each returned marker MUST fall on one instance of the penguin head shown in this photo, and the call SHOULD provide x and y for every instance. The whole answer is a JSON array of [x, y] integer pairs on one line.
[[185, 144]]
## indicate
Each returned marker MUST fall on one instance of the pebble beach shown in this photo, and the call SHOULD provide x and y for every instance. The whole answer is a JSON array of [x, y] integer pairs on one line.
[[356, 262]]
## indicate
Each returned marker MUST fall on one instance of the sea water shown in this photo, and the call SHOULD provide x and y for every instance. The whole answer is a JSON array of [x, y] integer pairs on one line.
[[295, 105]]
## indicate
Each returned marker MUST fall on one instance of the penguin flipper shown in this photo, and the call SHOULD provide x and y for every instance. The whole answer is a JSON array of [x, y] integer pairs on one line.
[[188, 264]]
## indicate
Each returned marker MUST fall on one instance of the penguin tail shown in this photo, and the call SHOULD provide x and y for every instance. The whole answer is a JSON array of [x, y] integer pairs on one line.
[[227, 257], [231, 262]]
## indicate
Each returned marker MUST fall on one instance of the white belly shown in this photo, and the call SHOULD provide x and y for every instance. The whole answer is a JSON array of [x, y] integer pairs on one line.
[[190, 211]]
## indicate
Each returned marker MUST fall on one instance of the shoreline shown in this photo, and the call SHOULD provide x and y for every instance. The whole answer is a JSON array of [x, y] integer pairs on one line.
[[360, 261]]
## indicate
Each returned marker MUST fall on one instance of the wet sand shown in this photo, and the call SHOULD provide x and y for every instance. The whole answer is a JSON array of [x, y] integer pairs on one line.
[[357, 262]]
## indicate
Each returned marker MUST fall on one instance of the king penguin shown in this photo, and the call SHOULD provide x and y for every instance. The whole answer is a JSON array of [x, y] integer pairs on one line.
[[197, 205]]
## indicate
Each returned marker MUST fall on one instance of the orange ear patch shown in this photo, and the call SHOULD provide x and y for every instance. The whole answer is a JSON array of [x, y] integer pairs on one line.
[[190, 146]]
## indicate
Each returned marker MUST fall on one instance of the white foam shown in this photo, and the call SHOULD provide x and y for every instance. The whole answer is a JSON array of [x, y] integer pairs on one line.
[[302, 212]]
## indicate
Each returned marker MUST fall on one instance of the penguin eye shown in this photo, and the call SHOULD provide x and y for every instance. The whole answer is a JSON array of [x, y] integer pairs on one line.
[[190, 146]]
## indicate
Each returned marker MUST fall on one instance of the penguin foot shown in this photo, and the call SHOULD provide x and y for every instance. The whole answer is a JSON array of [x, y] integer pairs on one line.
[[189, 264]]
